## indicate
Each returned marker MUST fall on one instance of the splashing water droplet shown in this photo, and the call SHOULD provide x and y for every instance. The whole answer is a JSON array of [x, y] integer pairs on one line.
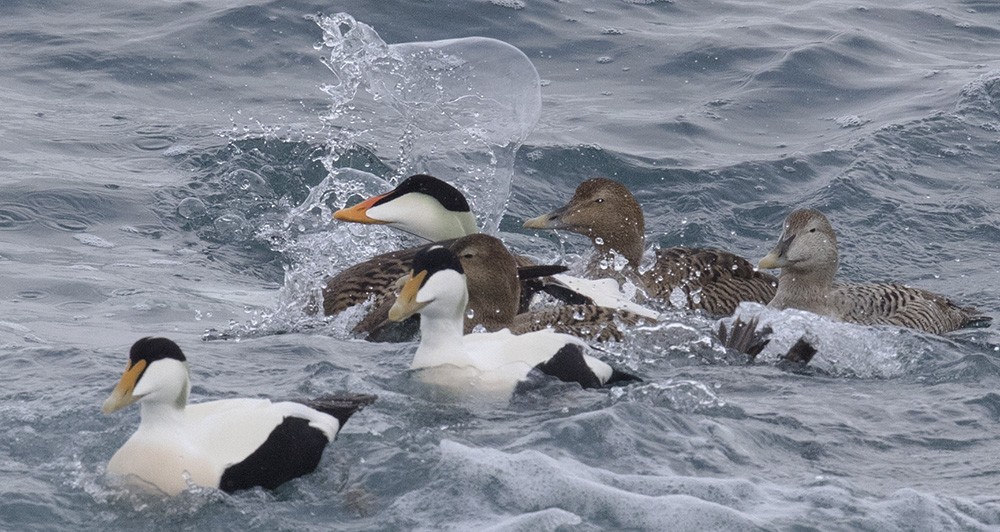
[[677, 298], [620, 262]]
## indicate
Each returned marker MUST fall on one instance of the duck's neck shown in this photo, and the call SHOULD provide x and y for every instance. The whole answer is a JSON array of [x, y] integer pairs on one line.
[[804, 290], [495, 299], [440, 342], [607, 250], [444, 226], [160, 414]]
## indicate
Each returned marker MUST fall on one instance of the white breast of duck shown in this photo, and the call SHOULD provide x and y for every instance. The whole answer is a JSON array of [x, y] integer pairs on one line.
[[494, 362]]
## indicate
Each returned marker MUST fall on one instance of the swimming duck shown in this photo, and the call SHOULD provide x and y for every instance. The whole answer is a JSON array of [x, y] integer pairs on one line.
[[806, 253], [485, 363], [230, 444], [711, 280]]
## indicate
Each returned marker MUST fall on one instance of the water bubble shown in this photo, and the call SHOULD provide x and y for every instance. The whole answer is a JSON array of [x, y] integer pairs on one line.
[[231, 226], [249, 181], [696, 296], [599, 241], [191, 208]]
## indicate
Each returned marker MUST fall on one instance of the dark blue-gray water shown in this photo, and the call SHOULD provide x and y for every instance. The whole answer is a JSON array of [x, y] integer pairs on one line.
[[168, 168]]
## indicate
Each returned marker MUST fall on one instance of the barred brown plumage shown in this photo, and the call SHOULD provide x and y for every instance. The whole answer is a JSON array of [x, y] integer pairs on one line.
[[711, 280], [807, 255]]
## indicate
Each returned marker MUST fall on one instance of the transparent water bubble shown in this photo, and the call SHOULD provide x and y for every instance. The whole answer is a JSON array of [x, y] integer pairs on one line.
[[696, 296], [231, 226], [249, 181], [190, 208]]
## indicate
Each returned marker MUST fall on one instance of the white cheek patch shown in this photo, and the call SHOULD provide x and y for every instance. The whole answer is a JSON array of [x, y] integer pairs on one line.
[[440, 285], [424, 216], [409, 210], [159, 375]]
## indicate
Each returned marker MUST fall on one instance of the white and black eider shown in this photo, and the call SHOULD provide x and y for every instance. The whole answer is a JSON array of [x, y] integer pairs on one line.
[[230, 444]]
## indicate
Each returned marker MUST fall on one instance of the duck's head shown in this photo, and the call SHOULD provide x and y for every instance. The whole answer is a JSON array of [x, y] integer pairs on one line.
[[604, 210], [422, 205], [492, 277], [156, 372], [807, 245], [434, 287]]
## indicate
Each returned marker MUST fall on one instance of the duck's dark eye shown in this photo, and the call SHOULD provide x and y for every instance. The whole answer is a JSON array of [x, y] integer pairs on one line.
[[468, 255], [599, 200], [813, 230]]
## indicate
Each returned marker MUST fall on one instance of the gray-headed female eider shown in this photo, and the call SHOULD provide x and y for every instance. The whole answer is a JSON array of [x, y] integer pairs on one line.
[[806, 253], [230, 444], [606, 211], [493, 363]]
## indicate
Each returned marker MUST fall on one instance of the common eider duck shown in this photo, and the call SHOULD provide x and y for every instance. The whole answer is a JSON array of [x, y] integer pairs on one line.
[[492, 364], [806, 253], [432, 209], [230, 444], [711, 280]]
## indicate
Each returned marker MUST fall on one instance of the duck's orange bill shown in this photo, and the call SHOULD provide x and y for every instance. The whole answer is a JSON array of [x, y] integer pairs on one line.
[[359, 213]]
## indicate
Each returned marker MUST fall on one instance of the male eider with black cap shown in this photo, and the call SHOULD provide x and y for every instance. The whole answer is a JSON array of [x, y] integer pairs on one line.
[[806, 253], [230, 444], [421, 205], [484, 363]]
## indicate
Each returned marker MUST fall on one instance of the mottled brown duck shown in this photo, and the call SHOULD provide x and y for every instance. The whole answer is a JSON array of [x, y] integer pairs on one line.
[[710, 280], [807, 255]]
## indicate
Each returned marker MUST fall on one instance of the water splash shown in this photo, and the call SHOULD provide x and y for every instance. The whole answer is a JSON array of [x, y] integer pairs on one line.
[[457, 108], [844, 349]]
